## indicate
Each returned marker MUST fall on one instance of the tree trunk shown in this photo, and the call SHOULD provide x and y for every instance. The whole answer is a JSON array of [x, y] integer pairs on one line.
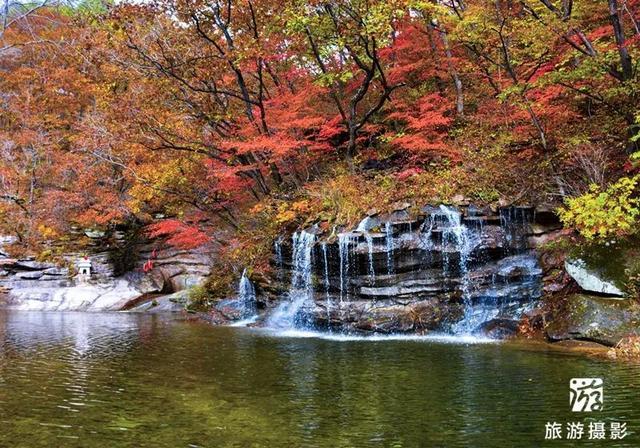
[[457, 83], [618, 32]]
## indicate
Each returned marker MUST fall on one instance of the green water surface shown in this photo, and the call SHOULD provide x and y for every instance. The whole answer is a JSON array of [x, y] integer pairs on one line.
[[124, 380]]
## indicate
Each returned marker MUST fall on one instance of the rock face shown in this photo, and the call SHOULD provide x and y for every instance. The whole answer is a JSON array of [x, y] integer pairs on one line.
[[596, 319], [499, 328], [449, 269], [590, 280], [27, 284], [163, 303]]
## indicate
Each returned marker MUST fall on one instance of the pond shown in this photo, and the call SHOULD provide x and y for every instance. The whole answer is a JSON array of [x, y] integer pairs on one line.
[[131, 380]]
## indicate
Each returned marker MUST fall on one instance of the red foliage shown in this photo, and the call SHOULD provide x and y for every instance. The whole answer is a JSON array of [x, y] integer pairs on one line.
[[178, 233], [427, 123]]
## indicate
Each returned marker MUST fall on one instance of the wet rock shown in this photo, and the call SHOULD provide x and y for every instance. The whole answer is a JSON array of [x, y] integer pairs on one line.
[[596, 319], [368, 223], [546, 216], [498, 328], [518, 266], [171, 303], [230, 309], [397, 216], [590, 279], [477, 211], [95, 234], [422, 270], [430, 209], [387, 316]]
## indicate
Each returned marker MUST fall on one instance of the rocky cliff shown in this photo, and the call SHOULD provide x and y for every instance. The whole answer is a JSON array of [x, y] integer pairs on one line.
[[28, 284], [455, 269]]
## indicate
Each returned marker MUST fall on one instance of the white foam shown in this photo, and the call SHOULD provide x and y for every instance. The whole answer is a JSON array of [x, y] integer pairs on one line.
[[342, 337], [245, 322]]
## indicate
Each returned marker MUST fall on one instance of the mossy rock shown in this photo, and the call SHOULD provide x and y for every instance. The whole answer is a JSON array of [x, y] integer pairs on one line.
[[614, 262], [593, 318]]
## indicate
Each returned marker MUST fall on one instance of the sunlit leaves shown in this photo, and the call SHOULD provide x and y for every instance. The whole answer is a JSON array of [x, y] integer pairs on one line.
[[603, 213]]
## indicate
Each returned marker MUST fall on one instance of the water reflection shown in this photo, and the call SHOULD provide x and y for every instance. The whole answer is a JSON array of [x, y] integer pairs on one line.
[[77, 379]]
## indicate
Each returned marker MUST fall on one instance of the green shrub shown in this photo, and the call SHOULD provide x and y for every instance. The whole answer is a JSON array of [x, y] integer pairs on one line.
[[600, 214]]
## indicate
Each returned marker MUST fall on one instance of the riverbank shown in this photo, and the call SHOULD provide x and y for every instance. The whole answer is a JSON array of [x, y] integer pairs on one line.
[[461, 270]]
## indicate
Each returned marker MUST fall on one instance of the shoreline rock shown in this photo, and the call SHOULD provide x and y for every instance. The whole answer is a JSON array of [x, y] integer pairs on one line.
[[26, 284]]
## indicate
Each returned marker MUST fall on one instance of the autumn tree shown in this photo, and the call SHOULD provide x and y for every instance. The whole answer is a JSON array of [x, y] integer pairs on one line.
[[344, 41]]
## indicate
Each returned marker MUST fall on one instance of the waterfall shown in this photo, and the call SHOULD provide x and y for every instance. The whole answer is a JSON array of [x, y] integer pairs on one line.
[[364, 228], [344, 246], [290, 313], [247, 295], [461, 259], [246, 302], [327, 283], [463, 240], [426, 232], [388, 230], [277, 246], [325, 260], [457, 235], [372, 272], [495, 300], [513, 221]]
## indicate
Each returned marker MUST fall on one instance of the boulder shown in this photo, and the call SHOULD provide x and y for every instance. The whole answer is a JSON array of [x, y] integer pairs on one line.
[[172, 303], [231, 309], [387, 316], [498, 328], [590, 279], [368, 223], [29, 275], [94, 234], [593, 318], [400, 206]]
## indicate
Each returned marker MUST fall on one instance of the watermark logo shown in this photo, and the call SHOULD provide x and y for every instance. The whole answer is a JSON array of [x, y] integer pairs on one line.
[[586, 394]]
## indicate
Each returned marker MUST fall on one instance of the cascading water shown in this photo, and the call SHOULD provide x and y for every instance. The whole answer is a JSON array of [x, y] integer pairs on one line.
[[513, 220], [451, 254], [426, 232], [388, 230], [345, 241], [247, 295], [325, 261], [364, 228], [290, 313], [246, 301], [327, 282], [459, 238], [277, 246], [496, 300], [372, 271]]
